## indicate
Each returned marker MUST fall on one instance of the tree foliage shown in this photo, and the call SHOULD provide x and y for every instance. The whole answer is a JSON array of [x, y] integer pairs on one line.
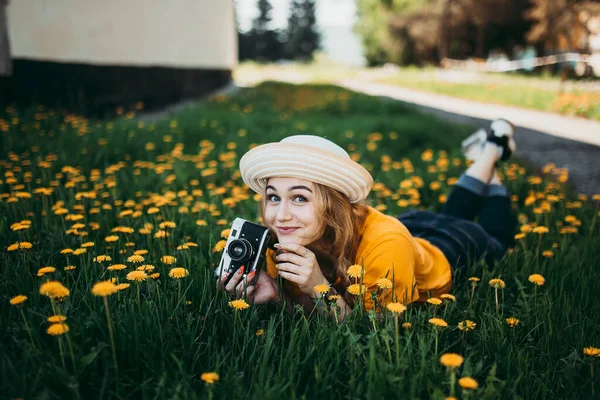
[[425, 31]]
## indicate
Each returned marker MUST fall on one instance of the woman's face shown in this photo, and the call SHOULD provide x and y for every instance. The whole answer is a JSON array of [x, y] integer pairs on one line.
[[290, 210]]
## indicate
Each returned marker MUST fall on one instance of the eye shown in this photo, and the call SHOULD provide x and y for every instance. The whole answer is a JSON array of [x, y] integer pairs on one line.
[[300, 199], [272, 197]]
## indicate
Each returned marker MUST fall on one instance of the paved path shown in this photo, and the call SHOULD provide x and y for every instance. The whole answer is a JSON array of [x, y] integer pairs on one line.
[[572, 143]]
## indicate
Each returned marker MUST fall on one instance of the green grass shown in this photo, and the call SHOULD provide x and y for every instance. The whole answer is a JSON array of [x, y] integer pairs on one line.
[[163, 343], [542, 93], [511, 90]]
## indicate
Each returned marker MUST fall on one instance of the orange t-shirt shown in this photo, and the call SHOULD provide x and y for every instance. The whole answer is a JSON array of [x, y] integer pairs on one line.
[[417, 269]]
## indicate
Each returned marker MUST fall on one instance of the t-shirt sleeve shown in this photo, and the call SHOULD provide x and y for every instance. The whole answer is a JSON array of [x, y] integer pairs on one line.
[[392, 256]]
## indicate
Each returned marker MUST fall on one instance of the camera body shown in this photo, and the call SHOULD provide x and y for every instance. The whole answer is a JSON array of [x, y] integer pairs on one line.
[[246, 246]]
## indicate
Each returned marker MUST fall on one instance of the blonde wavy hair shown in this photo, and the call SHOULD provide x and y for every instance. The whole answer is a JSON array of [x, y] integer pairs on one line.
[[336, 242]]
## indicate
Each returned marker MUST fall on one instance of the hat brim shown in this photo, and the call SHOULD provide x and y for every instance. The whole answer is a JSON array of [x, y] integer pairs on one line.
[[307, 163]]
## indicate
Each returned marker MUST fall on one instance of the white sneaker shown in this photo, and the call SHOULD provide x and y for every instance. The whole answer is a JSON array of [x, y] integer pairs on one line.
[[500, 132], [472, 146]]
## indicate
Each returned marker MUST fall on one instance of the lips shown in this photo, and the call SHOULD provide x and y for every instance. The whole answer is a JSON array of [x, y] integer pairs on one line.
[[286, 230]]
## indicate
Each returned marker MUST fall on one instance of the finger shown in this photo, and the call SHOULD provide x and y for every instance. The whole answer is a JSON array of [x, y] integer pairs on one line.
[[221, 281], [289, 276], [240, 288], [294, 247], [250, 294], [289, 268], [292, 258], [234, 280]]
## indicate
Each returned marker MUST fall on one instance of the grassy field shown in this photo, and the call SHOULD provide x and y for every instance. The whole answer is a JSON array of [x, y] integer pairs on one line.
[[543, 93], [145, 204]]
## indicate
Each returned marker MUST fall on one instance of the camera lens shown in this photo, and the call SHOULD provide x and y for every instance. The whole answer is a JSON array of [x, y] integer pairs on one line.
[[240, 250]]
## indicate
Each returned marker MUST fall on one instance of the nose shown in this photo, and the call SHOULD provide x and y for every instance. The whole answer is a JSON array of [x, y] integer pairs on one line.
[[283, 212]]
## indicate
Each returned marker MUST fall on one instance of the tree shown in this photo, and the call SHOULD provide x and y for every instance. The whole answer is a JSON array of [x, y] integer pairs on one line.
[[302, 36]]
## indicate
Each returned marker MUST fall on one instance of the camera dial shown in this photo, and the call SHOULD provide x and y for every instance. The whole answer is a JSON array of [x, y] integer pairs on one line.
[[240, 250]]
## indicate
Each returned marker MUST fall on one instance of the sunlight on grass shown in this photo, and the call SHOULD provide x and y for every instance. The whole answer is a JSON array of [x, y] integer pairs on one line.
[[111, 233]]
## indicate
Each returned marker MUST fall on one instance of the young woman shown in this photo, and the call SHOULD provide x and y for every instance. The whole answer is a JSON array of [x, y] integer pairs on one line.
[[313, 201]]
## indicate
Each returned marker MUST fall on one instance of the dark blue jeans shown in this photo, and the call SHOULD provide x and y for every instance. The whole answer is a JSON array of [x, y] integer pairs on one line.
[[454, 231]]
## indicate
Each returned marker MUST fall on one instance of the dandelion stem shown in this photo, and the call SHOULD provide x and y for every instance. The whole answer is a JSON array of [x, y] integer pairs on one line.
[[472, 294], [592, 372], [397, 339], [27, 327], [71, 352], [452, 381], [110, 333], [60, 350], [497, 306]]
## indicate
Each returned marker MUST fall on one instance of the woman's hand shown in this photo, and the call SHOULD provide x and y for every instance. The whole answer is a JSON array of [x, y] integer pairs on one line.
[[299, 265], [262, 291]]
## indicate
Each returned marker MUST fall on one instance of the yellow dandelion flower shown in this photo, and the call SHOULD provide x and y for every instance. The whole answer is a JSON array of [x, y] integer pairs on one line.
[[56, 318], [69, 268], [201, 222], [396, 308], [540, 230], [239, 304], [466, 382], [79, 251], [87, 244], [519, 236], [104, 288], [182, 247], [116, 267], [357, 289], [591, 351], [219, 246], [137, 276], [512, 322], [225, 233], [54, 289], [57, 329], [167, 225], [19, 299], [384, 283], [45, 270], [438, 322], [451, 360], [66, 251], [135, 259], [474, 279], [13, 247], [155, 275], [497, 283], [190, 244], [102, 258], [146, 267], [447, 296], [111, 238], [168, 260], [467, 325], [537, 279], [321, 289], [25, 245], [123, 286], [260, 332], [178, 273], [210, 377], [407, 325], [355, 271], [140, 252], [435, 301], [334, 297]]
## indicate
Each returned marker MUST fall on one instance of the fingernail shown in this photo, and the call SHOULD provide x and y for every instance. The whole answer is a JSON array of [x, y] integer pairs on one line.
[[276, 245], [241, 270], [251, 275]]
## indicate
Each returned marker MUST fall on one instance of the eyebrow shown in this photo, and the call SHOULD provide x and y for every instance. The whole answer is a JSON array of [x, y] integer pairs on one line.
[[290, 188]]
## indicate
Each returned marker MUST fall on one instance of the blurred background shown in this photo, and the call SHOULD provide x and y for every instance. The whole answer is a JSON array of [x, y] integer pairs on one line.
[[95, 56]]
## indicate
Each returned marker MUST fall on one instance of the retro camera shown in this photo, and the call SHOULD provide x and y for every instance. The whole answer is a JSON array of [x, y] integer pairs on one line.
[[246, 246]]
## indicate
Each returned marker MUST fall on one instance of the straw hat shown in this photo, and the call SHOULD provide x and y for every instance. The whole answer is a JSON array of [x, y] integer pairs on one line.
[[306, 157]]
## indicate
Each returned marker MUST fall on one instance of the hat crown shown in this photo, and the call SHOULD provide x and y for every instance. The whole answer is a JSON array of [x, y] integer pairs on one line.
[[318, 142]]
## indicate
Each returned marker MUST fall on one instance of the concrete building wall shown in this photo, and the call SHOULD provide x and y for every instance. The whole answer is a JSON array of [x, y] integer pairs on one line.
[[91, 56], [178, 33]]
